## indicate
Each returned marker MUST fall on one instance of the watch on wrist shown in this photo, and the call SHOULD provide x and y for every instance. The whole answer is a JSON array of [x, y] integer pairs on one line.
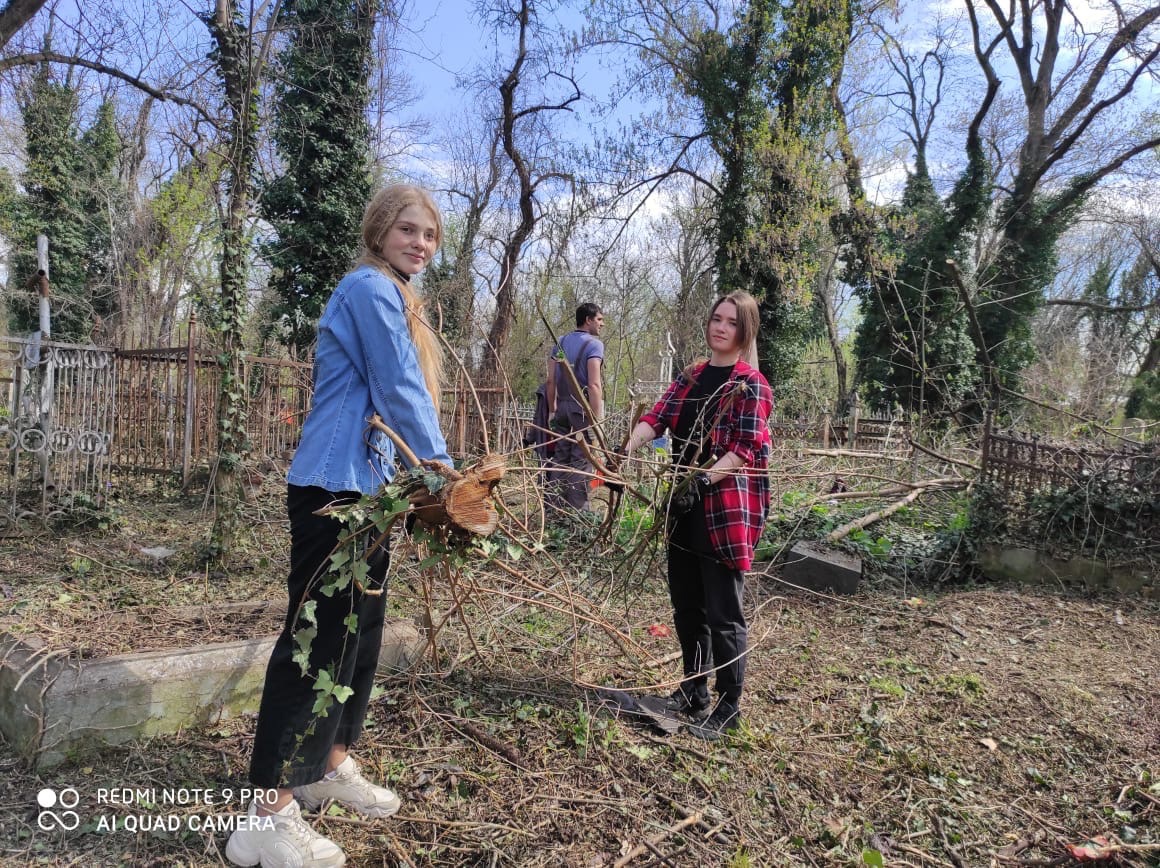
[[704, 483]]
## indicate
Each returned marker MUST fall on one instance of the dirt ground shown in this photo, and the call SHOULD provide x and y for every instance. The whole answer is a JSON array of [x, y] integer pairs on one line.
[[967, 726]]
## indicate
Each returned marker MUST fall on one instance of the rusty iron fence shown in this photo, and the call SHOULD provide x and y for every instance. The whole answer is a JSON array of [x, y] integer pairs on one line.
[[1102, 502], [73, 415], [1027, 463], [169, 398], [471, 406], [886, 435]]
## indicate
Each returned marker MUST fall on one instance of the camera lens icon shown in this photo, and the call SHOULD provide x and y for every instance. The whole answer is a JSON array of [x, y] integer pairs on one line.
[[67, 819]]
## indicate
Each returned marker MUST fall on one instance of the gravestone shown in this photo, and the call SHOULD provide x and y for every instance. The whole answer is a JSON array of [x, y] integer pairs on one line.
[[815, 567]]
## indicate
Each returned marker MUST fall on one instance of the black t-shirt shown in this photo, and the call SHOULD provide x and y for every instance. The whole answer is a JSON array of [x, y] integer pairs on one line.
[[698, 413]]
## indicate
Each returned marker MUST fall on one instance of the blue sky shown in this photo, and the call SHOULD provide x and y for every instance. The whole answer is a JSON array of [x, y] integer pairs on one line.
[[445, 41]]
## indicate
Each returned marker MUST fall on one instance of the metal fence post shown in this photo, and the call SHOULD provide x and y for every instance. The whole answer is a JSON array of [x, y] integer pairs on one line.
[[47, 393], [190, 403]]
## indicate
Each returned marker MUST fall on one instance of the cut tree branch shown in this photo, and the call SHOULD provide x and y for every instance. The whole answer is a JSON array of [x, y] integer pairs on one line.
[[847, 529]]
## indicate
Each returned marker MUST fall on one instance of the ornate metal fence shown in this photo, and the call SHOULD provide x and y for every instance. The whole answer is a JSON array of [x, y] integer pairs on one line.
[[71, 415], [1026, 463], [859, 434], [56, 428], [1102, 502]]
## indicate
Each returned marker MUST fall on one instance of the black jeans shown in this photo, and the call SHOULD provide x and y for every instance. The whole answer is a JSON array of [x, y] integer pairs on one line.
[[292, 741], [707, 608]]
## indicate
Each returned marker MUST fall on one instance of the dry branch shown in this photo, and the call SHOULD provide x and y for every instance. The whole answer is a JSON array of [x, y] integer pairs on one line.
[[850, 453], [946, 458], [511, 754], [641, 849], [940, 484], [858, 524]]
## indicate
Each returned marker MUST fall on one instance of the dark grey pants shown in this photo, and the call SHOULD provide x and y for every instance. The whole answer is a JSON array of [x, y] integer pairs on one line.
[[292, 742], [571, 475], [707, 608]]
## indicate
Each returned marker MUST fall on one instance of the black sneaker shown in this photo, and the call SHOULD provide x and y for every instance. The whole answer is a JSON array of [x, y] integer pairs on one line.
[[694, 706], [725, 718]]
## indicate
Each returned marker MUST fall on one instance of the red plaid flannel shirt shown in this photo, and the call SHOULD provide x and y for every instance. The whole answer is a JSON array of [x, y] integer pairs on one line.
[[737, 506]]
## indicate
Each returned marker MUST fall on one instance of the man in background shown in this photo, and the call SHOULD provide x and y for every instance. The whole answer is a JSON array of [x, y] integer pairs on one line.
[[582, 351]]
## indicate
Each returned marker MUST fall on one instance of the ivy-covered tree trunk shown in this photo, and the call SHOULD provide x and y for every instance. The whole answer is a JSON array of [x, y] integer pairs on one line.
[[913, 344], [323, 143], [764, 90], [1095, 117], [237, 62], [71, 195]]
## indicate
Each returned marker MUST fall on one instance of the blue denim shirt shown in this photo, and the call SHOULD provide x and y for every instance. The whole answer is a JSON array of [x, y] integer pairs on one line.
[[365, 363]]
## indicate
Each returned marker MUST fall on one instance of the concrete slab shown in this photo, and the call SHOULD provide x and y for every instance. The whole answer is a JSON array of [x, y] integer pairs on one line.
[[1030, 567], [818, 568], [51, 705]]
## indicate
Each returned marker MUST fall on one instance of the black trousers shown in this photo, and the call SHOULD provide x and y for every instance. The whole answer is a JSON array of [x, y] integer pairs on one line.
[[292, 741], [707, 608]]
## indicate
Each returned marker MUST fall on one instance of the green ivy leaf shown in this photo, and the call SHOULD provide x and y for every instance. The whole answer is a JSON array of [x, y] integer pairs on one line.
[[324, 686], [872, 858], [351, 622], [304, 637], [359, 570], [340, 583]]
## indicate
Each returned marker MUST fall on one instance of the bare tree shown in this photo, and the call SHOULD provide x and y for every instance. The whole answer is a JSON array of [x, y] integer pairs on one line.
[[524, 140], [476, 173], [14, 15], [1074, 106], [919, 81], [686, 235]]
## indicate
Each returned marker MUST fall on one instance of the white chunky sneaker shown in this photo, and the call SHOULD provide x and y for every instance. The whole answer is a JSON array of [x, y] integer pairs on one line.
[[281, 840], [350, 789]]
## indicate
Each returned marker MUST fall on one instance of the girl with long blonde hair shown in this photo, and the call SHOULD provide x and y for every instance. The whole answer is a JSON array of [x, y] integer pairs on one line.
[[376, 353]]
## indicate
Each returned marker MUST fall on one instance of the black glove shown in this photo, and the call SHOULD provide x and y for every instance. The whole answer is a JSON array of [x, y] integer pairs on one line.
[[616, 459], [686, 501], [613, 464]]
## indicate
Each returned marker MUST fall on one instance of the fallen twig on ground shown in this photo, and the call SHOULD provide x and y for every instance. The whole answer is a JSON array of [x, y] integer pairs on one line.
[[650, 843], [866, 520]]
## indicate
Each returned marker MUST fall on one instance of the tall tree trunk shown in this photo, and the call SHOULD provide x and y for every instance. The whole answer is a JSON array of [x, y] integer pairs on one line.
[[237, 65], [505, 304], [825, 298]]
